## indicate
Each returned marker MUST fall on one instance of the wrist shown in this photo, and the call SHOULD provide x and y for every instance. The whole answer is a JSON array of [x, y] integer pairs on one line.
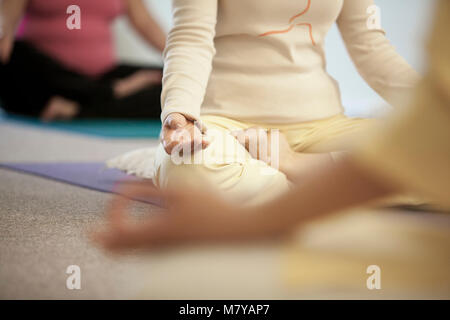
[[181, 110], [259, 222]]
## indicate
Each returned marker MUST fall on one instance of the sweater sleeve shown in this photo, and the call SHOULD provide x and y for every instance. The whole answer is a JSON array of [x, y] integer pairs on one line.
[[375, 58], [188, 57]]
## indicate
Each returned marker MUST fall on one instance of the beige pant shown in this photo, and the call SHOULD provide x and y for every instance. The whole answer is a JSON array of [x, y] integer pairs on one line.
[[251, 181]]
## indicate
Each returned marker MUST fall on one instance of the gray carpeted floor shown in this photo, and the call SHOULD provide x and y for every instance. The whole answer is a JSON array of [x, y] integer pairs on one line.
[[43, 223], [43, 227]]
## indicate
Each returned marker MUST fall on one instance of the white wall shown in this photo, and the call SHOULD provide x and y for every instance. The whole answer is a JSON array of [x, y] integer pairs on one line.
[[130, 46], [406, 24], [405, 21]]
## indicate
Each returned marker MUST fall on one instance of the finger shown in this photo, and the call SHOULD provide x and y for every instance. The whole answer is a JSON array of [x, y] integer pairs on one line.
[[156, 230], [200, 142], [149, 235], [134, 190], [143, 190], [103, 238], [180, 139], [201, 126], [127, 192], [196, 139], [169, 145], [134, 236], [246, 142], [206, 142], [174, 137], [122, 235]]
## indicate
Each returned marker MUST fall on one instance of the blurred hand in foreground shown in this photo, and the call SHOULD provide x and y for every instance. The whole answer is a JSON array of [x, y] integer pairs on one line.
[[191, 216]]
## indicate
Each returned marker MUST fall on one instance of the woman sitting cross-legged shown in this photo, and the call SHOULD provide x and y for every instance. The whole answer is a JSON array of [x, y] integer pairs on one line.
[[54, 72], [235, 65]]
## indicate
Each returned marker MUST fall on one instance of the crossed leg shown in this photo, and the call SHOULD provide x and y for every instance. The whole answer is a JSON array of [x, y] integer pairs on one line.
[[227, 167]]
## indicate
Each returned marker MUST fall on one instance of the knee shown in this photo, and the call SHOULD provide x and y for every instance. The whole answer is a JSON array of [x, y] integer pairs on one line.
[[171, 172], [250, 182], [214, 165]]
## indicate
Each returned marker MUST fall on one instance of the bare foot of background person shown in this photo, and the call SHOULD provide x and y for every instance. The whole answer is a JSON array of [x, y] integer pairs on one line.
[[59, 108], [136, 82]]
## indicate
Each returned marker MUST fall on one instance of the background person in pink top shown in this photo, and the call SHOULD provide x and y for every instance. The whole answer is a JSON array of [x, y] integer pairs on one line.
[[54, 71]]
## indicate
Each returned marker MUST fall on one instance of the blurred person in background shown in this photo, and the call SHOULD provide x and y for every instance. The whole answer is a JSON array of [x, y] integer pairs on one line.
[[410, 152], [53, 72]]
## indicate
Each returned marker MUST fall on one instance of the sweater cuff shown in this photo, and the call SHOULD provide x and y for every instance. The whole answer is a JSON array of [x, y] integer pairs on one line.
[[191, 114]]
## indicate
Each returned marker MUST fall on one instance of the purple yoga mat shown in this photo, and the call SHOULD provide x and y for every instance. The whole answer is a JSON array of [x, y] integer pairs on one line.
[[90, 175]]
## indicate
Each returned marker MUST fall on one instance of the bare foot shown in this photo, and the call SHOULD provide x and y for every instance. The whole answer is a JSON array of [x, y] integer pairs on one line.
[[59, 108], [136, 82]]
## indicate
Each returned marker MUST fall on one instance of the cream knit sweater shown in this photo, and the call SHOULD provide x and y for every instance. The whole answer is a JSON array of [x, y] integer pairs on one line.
[[263, 60]]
